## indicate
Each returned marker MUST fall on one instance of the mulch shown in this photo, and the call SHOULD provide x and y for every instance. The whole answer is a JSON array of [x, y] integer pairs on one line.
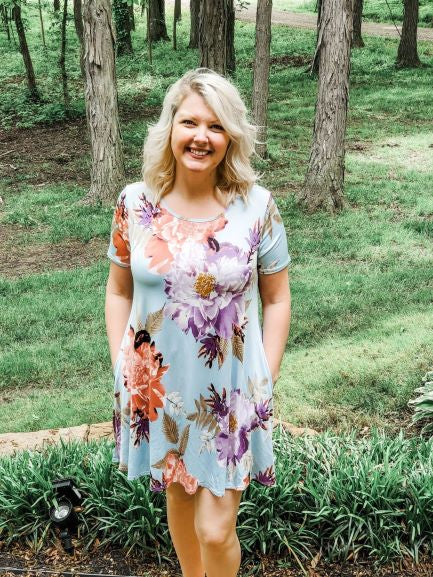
[[53, 561]]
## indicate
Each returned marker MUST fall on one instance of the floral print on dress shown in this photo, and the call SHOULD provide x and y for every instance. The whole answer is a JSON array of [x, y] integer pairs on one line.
[[194, 310]]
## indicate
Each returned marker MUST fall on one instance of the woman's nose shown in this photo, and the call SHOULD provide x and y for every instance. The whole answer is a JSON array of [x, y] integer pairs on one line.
[[201, 134]]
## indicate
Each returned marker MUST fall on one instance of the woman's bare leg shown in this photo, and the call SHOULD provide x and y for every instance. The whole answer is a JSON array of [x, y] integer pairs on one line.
[[215, 526], [180, 516]]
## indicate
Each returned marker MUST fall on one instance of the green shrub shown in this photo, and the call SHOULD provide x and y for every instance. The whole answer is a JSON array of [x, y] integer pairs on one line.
[[423, 404], [345, 496]]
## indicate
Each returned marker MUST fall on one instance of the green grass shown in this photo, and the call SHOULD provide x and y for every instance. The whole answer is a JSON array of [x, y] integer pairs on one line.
[[373, 10], [361, 281]]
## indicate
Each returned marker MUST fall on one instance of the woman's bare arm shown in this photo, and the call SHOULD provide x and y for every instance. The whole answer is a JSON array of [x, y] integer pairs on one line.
[[275, 296], [118, 302]]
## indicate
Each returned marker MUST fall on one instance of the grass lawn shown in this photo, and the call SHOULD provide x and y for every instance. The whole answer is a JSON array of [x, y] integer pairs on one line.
[[361, 336]]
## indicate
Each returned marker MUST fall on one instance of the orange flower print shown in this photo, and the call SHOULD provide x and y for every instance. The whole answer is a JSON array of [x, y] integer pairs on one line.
[[143, 370], [119, 231], [170, 233], [175, 472]]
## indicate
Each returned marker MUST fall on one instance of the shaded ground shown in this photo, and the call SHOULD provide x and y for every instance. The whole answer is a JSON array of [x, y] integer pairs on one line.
[[308, 20], [115, 562], [17, 260]]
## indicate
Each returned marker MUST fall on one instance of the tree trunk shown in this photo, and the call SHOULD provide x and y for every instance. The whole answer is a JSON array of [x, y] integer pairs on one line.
[[56, 5], [131, 16], [5, 18], [149, 36], [123, 27], [323, 187], [31, 80], [213, 35], [194, 9], [314, 69], [177, 10], [78, 21], [176, 18], [407, 55], [230, 37], [158, 28], [42, 23], [357, 40], [261, 73], [108, 169], [62, 65]]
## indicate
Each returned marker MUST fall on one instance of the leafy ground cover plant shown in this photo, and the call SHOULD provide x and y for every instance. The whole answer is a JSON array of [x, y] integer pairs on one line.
[[423, 404], [347, 497]]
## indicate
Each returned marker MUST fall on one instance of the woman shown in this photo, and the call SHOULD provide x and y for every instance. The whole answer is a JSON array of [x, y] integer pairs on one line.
[[190, 246]]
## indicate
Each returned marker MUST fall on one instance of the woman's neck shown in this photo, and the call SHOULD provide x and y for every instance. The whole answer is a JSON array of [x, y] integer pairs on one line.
[[194, 187]]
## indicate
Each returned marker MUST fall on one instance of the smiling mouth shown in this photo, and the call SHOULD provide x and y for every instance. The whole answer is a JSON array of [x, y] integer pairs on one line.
[[198, 152]]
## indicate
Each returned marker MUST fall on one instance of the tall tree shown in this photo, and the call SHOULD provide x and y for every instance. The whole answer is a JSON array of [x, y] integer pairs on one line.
[[261, 73], [42, 23], [24, 49], [5, 18], [194, 10], [407, 55], [62, 63], [78, 21], [230, 37], [357, 24], [316, 58], [213, 34], [176, 18], [158, 28], [122, 19], [108, 168], [323, 187]]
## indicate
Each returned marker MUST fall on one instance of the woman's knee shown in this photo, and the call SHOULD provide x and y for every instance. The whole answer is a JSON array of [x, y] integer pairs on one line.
[[211, 534]]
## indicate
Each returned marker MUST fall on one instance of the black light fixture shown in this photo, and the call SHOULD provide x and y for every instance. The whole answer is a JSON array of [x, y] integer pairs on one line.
[[64, 513]]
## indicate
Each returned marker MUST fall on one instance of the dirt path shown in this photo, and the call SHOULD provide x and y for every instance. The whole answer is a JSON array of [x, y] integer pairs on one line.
[[307, 20]]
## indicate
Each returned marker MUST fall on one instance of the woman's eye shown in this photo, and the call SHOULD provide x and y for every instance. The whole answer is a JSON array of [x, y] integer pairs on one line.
[[217, 126], [188, 122]]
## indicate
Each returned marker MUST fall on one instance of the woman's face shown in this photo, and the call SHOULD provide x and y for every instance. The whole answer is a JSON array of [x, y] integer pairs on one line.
[[198, 140]]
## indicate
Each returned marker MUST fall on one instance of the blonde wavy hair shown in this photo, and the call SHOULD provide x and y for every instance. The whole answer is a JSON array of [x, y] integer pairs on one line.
[[235, 175]]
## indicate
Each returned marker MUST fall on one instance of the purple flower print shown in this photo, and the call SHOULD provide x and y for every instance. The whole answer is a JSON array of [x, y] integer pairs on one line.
[[266, 477], [233, 440], [208, 295], [254, 239], [116, 428], [146, 212], [141, 427], [218, 403], [156, 486], [263, 414]]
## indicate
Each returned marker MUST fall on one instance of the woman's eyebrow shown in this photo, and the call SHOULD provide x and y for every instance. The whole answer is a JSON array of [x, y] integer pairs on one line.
[[193, 117]]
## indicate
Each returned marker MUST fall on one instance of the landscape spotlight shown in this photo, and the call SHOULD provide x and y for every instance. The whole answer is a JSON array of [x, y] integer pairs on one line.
[[64, 513]]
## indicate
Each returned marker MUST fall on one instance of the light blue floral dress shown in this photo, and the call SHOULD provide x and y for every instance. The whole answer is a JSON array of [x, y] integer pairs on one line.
[[192, 386]]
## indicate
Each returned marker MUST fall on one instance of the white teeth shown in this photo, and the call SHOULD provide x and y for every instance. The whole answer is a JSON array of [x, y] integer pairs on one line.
[[198, 152]]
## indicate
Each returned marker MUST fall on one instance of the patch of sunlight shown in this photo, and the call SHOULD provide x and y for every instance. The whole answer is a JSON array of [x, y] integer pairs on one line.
[[412, 152], [315, 377]]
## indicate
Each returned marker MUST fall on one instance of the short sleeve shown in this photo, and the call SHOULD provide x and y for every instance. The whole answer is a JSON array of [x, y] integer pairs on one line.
[[273, 253], [119, 249]]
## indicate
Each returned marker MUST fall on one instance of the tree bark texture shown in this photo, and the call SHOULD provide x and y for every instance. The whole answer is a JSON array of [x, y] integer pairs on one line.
[[5, 18], [108, 169], [123, 27], [230, 37], [24, 49], [194, 10], [213, 35], [78, 21], [357, 40], [261, 73], [149, 39], [407, 55], [158, 28], [131, 16], [62, 64], [323, 187]]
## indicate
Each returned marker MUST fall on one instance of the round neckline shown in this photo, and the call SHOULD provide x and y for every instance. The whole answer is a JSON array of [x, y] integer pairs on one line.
[[164, 205]]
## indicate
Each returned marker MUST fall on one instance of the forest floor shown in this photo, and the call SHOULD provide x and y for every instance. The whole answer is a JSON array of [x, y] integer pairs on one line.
[[54, 561], [308, 20]]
